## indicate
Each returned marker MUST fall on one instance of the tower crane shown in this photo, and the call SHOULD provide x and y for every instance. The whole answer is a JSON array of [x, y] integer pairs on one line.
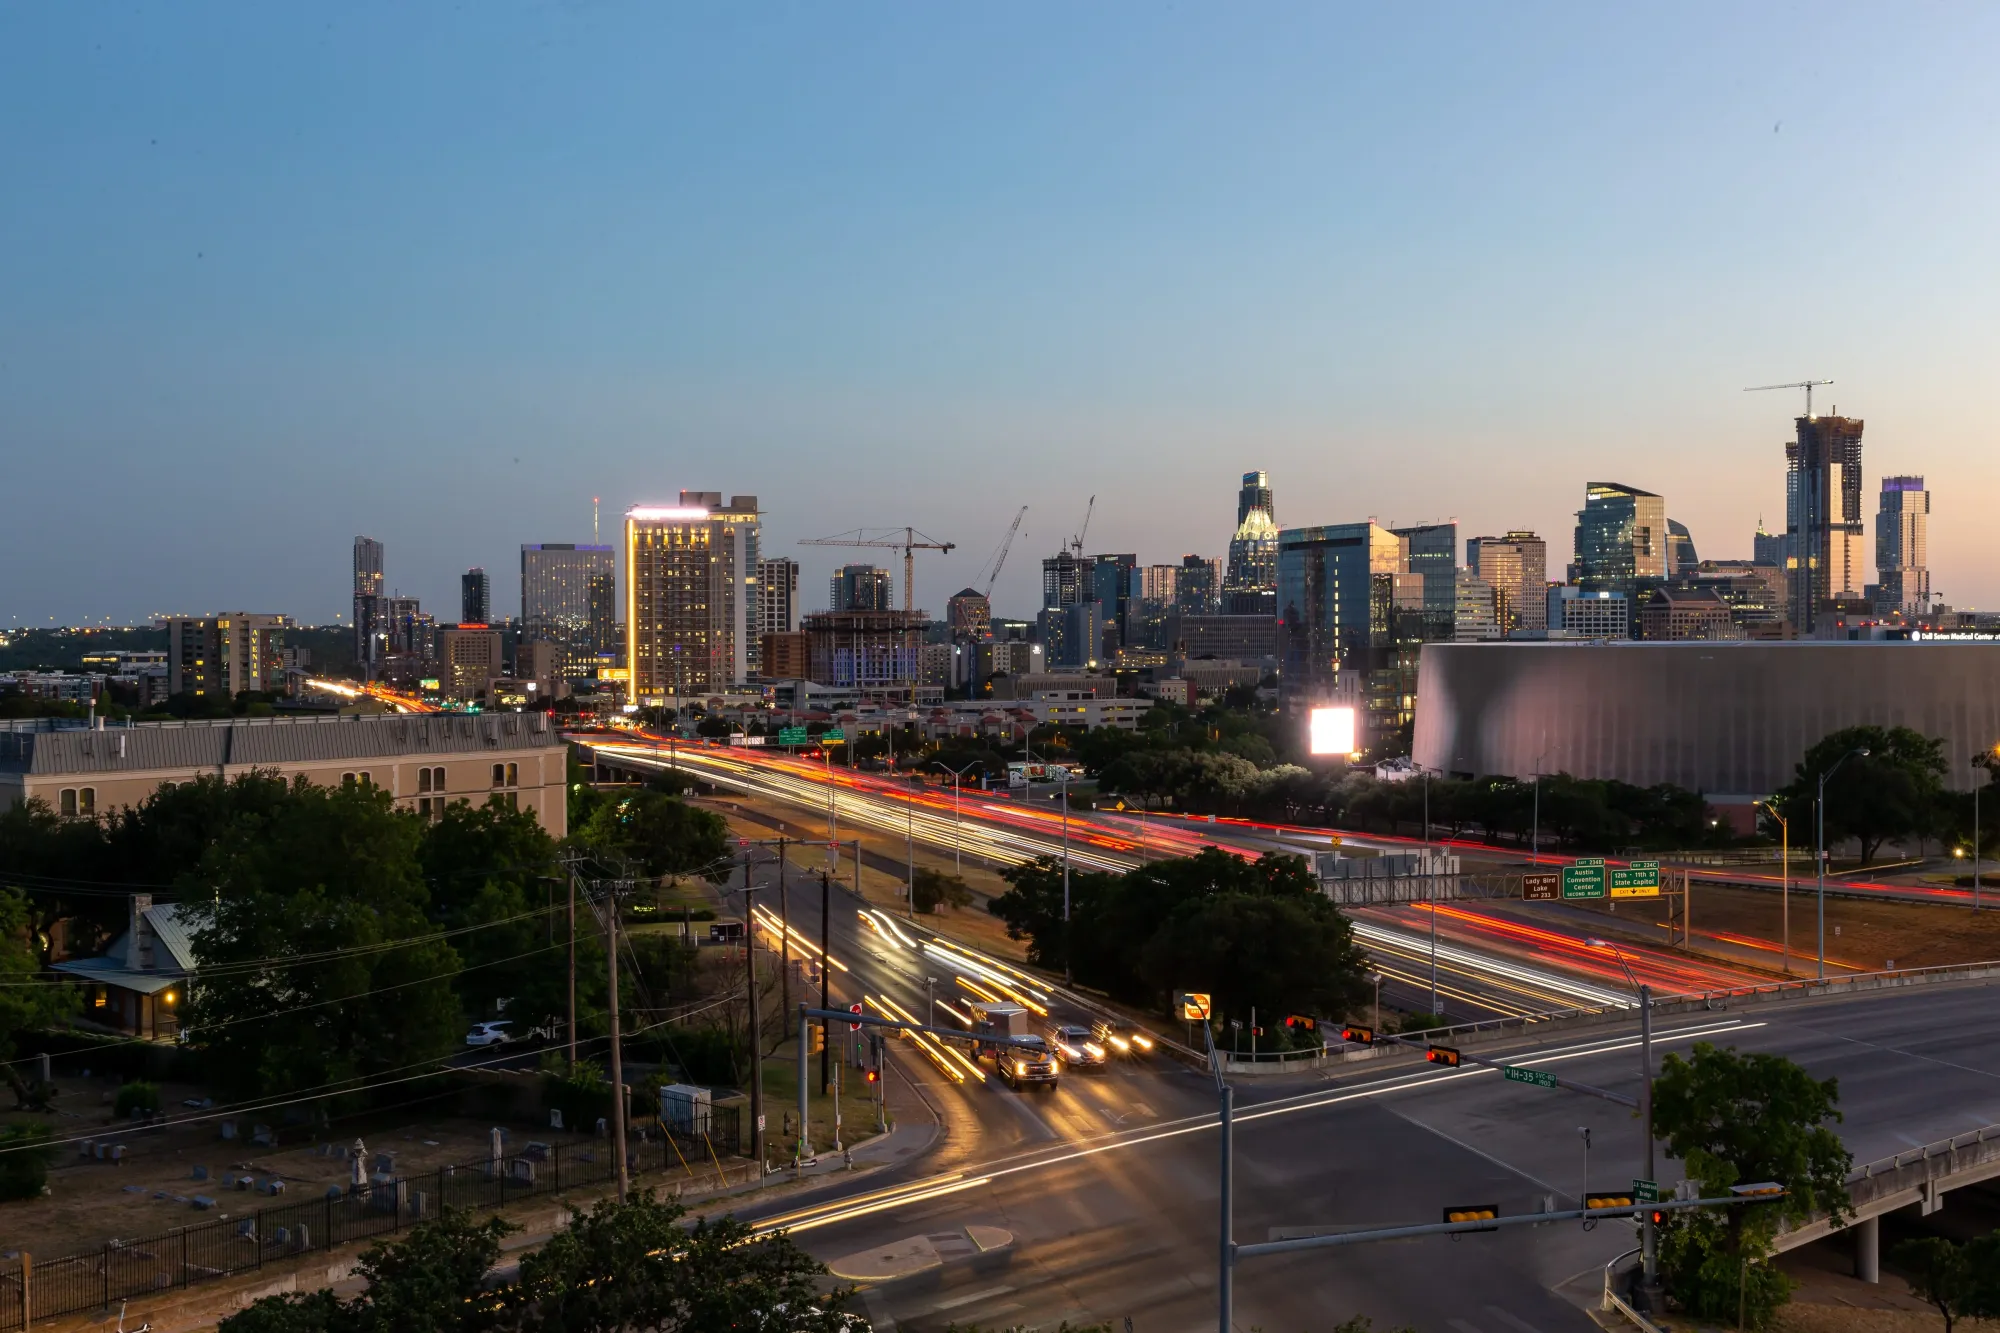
[[906, 539], [1807, 385], [1006, 545], [1076, 542]]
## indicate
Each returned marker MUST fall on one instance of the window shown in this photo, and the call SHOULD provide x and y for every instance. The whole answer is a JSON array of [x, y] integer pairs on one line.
[[424, 784], [513, 775], [437, 781], [86, 801], [506, 775], [499, 775], [347, 779], [68, 805]]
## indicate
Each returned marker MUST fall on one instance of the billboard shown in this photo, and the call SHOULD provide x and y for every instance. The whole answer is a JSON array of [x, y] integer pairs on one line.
[[1020, 774], [1331, 730]]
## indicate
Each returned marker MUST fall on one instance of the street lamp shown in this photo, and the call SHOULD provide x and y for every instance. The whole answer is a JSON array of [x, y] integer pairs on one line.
[[910, 804], [957, 774], [1649, 1238], [1064, 790], [1819, 812], [1784, 882], [1430, 881]]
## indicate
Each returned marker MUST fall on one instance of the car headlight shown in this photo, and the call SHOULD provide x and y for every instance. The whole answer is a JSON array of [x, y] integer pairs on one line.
[[1020, 1068], [1145, 1043], [1121, 1043], [1094, 1049]]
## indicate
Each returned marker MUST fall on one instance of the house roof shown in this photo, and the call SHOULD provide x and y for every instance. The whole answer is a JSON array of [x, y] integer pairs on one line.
[[111, 972], [173, 959]]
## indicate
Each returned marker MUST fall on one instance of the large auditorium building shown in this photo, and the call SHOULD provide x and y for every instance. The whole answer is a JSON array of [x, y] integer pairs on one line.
[[1730, 719]]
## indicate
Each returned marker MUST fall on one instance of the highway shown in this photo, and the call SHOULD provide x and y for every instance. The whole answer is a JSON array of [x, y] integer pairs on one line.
[[1488, 965]]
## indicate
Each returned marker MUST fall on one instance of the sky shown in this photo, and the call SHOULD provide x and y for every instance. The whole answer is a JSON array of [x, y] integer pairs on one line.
[[275, 275]]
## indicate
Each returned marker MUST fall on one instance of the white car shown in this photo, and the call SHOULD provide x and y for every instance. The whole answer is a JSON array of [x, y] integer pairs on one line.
[[489, 1034]]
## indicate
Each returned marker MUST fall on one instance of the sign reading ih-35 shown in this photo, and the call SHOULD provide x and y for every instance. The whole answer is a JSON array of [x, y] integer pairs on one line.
[[1641, 879], [1585, 878], [1516, 1074]]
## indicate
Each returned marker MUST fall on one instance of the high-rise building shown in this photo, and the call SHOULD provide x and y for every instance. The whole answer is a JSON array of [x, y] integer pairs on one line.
[[1477, 610], [877, 653], [605, 640], [1767, 548], [470, 659], [859, 588], [1198, 587], [1072, 635], [555, 598], [1902, 542], [1067, 578], [690, 595], [1681, 557], [1823, 528], [1516, 568], [218, 657], [367, 600], [407, 630], [1431, 550], [970, 616], [1115, 584], [475, 597], [1621, 538], [777, 595], [1250, 586], [1352, 615]]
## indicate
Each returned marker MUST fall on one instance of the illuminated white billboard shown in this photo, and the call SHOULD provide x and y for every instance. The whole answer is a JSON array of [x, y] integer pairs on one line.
[[1331, 731]]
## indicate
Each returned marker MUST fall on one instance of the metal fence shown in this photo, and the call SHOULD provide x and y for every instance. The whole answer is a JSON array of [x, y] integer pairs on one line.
[[185, 1256]]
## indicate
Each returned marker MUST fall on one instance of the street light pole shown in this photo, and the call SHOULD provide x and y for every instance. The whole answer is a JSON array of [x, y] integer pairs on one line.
[[1784, 884], [1819, 812], [1649, 1235], [910, 803], [957, 838], [1067, 978]]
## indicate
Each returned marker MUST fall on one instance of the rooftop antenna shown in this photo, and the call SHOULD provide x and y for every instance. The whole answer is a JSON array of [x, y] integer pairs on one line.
[[593, 520], [1807, 385]]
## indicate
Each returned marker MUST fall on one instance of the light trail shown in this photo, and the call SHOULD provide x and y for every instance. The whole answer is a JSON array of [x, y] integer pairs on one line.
[[772, 922]]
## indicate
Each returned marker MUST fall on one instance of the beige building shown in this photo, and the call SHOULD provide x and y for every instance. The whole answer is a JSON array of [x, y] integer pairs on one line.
[[691, 595], [470, 659], [426, 762], [223, 655], [1516, 568]]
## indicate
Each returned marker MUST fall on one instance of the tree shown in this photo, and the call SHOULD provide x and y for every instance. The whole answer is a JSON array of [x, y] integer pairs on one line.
[[319, 965], [635, 1266], [659, 833], [935, 890], [429, 1281], [1736, 1118], [26, 1000], [1938, 1274], [1892, 793]]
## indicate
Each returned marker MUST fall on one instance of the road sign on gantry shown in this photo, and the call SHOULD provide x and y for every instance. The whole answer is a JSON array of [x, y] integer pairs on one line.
[[1584, 878], [1641, 879], [1194, 1006], [793, 736], [1541, 886]]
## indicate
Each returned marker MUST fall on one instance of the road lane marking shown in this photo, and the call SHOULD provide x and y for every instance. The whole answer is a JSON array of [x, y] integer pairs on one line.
[[1508, 1167], [1518, 1325], [969, 1298]]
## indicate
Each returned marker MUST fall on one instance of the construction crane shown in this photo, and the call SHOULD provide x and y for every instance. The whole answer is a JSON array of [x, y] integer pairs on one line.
[[1076, 542], [1807, 385], [999, 559], [907, 540]]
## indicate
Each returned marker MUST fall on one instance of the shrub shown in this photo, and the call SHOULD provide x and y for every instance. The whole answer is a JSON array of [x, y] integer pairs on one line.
[[138, 1095], [24, 1161]]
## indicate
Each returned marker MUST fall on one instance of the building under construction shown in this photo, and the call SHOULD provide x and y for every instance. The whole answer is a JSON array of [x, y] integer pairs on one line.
[[1825, 554], [876, 653]]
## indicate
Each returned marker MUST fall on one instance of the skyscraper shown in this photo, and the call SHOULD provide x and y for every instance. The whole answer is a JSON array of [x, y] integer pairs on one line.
[[690, 595], [1339, 586], [777, 595], [1902, 542], [1767, 548], [1067, 579], [1250, 588], [1114, 586], [367, 599], [1621, 538], [1681, 557], [555, 598], [1198, 586], [1823, 529], [859, 588], [1431, 551], [1516, 568], [475, 597], [970, 616], [604, 637]]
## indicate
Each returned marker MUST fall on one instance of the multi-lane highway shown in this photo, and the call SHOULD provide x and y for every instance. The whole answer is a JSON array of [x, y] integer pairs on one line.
[[1487, 964]]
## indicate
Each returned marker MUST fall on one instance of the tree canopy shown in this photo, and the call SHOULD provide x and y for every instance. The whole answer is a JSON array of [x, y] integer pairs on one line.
[[1895, 791]]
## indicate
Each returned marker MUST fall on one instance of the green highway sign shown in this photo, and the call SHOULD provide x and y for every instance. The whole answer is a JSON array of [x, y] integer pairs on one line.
[[1641, 879], [832, 736], [1645, 1191], [1584, 878], [1515, 1074], [793, 736]]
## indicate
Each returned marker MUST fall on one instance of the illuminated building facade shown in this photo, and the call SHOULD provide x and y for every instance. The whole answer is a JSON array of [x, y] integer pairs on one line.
[[690, 595]]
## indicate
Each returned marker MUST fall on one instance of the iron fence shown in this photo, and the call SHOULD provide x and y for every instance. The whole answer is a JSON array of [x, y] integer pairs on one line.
[[38, 1288]]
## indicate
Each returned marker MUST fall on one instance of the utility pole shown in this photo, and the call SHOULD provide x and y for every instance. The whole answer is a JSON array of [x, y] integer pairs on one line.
[[1064, 789], [825, 970], [617, 1063], [572, 969], [784, 935], [756, 1042]]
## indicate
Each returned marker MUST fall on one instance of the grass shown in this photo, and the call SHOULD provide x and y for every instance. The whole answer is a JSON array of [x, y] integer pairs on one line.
[[781, 1098]]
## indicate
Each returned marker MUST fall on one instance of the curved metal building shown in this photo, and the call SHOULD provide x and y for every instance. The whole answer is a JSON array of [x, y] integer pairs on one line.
[[1718, 718]]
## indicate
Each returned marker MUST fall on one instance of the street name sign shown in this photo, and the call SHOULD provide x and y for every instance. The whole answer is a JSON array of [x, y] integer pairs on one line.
[[1645, 1191], [1540, 1078]]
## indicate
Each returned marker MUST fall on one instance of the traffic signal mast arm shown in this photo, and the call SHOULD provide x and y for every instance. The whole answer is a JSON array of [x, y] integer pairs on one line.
[[1571, 1084], [848, 1016], [1487, 1224]]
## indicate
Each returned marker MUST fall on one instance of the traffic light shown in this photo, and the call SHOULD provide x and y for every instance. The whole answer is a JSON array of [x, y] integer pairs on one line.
[[818, 1043], [1622, 1199], [1443, 1055], [1256, 1032], [1472, 1212], [874, 1076], [1301, 1023], [1359, 1036]]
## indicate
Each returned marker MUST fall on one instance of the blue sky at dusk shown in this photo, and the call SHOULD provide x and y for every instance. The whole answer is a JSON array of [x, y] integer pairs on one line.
[[274, 275]]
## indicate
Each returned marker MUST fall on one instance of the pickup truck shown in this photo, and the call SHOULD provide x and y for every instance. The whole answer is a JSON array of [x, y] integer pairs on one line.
[[1026, 1059]]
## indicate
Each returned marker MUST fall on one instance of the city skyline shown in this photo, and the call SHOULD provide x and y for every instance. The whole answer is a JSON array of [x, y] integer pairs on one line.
[[1216, 242]]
